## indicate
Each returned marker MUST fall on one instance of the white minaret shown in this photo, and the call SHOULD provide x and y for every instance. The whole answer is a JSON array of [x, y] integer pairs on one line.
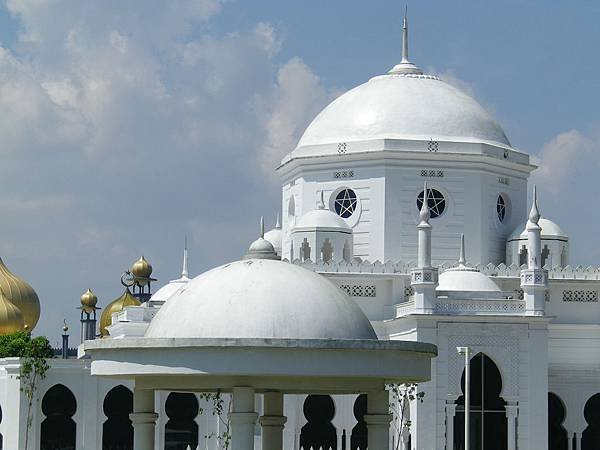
[[534, 279], [424, 278]]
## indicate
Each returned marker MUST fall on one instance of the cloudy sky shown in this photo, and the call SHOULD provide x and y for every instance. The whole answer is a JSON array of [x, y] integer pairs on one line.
[[126, 125]]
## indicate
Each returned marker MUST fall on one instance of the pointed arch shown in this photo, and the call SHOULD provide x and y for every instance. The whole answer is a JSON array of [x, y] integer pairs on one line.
[[181, 429], [58, 429], [319, 411], [117, 429], [358, 439], [557, 435], [590, 438], [488, 409]]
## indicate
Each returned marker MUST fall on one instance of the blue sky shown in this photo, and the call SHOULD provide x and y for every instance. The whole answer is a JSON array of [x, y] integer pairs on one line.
[[128, 125]]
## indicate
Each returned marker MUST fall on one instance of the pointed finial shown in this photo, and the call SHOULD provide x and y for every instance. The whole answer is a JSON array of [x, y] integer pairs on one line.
[[405, 35], [322, 202], [184, 270], [424, 213], [262, 227], [65, 326], [462, 261], [534, 214], [278, 222]]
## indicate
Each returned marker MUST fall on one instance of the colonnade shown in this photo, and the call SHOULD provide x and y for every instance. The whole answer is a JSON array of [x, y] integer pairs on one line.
[[243, 417]]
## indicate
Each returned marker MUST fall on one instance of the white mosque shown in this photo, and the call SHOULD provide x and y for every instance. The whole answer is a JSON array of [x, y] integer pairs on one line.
[[405, 233]]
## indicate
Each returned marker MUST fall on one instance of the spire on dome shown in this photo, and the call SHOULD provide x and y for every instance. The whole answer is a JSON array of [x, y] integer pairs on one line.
[[261, 248], [462, 261], [534, 214], [184, 270], [405, 66], [278, 223], [262, 227], [424, 213]]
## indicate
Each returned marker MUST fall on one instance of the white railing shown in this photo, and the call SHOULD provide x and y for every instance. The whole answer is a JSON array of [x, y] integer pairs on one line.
[[451, 306]]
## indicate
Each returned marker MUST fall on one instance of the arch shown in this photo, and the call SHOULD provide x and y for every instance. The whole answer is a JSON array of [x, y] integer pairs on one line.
[[488, 409], [117, 430], [1, 437], [319, 411], [358, 439], [590, 438], [181, 429], [557, 435], [58, 429]]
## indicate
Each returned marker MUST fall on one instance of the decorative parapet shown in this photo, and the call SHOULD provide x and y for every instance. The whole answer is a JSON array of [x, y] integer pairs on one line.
[[403, 268], [451, 306]]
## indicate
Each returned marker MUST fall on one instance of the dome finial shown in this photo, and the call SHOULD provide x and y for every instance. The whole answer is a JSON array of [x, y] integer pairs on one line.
[[534, 214], [262, 227], [261, 248], [462, 261], [278, 222], [405, 66], [321, 204], [184, 270]]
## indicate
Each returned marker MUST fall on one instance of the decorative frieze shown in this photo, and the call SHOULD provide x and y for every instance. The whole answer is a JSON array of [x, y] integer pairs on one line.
[[581, 296], [359, 290]]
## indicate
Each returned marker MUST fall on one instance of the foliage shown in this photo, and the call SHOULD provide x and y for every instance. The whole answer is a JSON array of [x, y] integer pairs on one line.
[[34, 353], [218, 409], [402, 396]]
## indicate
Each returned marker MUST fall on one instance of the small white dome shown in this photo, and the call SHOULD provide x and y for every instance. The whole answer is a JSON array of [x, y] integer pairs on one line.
[[466, 280], [261, 298], [169, 289], [550, 230], [412, 107], [275, 237], [322, 218]]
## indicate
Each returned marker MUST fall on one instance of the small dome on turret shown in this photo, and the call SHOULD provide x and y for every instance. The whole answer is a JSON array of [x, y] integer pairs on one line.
[[11, 317], [88, 300], [275, 236], [21, 295], [141, 268], [117, 305]]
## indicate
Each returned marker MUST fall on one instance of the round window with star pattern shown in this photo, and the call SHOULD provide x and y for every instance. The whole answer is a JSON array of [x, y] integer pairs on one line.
[[345, 203], [435, 200]]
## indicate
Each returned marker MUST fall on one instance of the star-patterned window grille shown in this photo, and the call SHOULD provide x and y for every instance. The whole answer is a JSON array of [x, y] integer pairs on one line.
[[501, 208], [345, 203], [435, 200]]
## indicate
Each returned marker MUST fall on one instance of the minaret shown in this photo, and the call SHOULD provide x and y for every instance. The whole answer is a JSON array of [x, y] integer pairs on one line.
[[424, 277], [65, 341], [405, 66], [534, 279], [88, 315]]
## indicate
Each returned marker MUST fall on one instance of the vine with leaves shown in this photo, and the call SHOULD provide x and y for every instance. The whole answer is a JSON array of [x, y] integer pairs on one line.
[[34, 354], [222, 412], [402, 396]]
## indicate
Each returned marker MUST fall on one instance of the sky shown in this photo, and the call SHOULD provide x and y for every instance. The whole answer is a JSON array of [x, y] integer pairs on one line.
[[127, 125]]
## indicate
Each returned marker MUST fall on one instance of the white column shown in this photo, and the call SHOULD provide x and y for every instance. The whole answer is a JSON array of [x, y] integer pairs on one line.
[[378, 420], [143, 419], [242, 418], [569, 440], [578, 441], [272, 421], [511, 416], [450, 413]]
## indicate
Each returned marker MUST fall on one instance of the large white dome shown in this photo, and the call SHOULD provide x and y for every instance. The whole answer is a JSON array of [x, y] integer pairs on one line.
[[403, 106], [466, 280], [261, 298], [550, 230]]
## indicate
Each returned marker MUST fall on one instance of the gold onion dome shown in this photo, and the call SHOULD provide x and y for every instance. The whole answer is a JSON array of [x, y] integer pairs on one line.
[[141, 268], [88, 301], [21, 295], [11, 317], [127, 299]]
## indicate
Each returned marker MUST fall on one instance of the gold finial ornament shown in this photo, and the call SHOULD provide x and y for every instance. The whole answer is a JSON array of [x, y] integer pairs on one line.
[[88, 301], [117, 305], [11, 317], [21, 295], [65, 326], [141, 268]]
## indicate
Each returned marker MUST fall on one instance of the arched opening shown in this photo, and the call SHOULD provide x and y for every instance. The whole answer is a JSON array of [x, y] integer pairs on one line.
[[488, 425], [181, 430], [590, 438], [1, 437], [117, 430], [319, 411], [557, 435], [358, 439], [58, 428]]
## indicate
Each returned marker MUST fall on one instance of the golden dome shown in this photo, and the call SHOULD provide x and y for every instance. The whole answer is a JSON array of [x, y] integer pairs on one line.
[[88, 301], [11, 317], [21, 295], [141, 268], [127, 299]]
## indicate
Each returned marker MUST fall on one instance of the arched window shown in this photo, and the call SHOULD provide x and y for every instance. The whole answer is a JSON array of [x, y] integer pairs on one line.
[[359, 432], [488, 413], [58, 428], [117, 430], [319, 411], [590, 438], [181, 430], [557, 435]]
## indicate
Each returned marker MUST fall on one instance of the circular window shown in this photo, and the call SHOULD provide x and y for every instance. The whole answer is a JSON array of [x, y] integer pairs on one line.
[[435, 200], [501, 208], [345, 203]]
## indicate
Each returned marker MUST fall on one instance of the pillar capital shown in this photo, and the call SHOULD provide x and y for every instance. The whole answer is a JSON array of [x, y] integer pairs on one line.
[[512, 411], [272, 421], [143, 418]]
